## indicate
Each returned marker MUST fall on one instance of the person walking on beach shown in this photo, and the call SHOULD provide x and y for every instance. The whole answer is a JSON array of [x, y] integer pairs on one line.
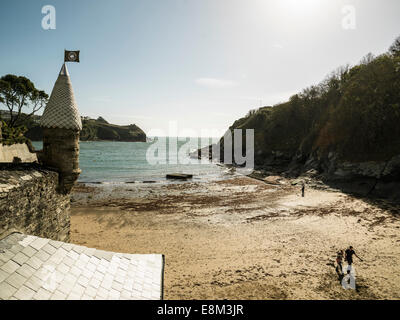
[[302, 189], [339, 261], [349, 255]]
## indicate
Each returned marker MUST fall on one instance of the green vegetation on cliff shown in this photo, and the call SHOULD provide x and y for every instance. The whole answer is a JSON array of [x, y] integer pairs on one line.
[[94, 130], [100, 129], [354, 113]]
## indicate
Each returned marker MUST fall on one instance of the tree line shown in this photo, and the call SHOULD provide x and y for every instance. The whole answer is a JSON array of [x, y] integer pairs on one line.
[[354, 112]]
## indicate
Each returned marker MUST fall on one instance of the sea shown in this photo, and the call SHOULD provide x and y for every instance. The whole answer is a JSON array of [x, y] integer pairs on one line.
[[114, 162]]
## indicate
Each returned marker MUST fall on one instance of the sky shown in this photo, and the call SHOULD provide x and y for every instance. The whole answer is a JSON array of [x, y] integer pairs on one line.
[[197, 65]]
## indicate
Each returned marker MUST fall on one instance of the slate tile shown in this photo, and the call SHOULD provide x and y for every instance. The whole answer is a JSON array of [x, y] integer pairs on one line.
[[67, 246], [16, 248], [67, 260], [135, 294], [34, 283], [98, 275], [20, 258], [89, 251], [3, 275], [75, 271], [6, 255], [16, 280], [24, 293], [42, 255], [82, 280], [102, 293], [57, 295], [26, 270], [78, 249], [26, 240], [78, 289], [56, 244], [6, 291], [48, 248], [10, 266], [34, 262], [29, 251], [72, 254], [39, 243], [63, 268], [90, 291], [42, 294], [94, 283], [90, 266], [116, 286], [106, 284], [113, 294]]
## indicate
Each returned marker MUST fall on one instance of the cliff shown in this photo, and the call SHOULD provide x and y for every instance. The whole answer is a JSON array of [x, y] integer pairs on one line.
[[345, 128], [102, 130], [94, 130]]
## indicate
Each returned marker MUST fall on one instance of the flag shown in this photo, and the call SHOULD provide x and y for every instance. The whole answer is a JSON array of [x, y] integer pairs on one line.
[[71, 56]]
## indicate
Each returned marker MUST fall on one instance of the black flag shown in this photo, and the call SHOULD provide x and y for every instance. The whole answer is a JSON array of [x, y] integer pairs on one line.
[[71, 56]]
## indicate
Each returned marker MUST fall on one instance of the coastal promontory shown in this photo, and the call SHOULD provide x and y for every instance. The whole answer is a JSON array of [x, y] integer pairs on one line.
[[97, 130]]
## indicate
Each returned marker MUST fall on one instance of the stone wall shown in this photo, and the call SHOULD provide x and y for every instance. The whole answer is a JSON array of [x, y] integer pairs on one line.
[[31, 203]]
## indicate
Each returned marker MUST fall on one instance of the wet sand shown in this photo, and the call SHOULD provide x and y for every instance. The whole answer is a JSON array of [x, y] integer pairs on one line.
[[245, 239]]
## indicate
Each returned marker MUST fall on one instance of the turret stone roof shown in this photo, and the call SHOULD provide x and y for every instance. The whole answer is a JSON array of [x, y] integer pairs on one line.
[[61, 110]]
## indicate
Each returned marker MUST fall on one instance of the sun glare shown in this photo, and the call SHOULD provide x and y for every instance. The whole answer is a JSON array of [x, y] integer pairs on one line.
[[300, 6]]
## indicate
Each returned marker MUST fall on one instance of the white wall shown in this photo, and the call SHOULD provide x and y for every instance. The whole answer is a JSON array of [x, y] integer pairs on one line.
[[20, 150]]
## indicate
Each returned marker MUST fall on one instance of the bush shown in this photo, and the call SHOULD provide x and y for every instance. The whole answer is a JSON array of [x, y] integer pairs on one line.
[[13, 135]]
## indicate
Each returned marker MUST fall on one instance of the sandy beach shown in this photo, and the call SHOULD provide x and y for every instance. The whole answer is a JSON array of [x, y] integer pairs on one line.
[[243, 238]]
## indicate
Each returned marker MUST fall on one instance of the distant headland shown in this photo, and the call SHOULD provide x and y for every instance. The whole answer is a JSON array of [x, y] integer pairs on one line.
[[94, 130]]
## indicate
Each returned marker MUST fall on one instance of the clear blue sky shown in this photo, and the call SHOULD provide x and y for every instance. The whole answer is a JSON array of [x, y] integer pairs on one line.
[[202, 63]]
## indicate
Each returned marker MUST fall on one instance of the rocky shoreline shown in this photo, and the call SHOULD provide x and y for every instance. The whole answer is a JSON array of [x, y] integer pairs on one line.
[[375, 179]]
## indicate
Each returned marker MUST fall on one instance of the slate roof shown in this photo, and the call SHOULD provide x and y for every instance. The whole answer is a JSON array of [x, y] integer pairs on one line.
[[61, 111], [42, 269]]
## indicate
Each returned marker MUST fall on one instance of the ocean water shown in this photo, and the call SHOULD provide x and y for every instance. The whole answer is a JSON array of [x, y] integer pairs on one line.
[[126, 162]]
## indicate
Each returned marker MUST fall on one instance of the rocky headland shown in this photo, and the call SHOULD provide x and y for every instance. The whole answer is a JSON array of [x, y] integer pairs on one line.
[[343, 131], [95, 130]]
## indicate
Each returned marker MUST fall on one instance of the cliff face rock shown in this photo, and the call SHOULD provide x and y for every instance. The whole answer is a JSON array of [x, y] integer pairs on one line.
[[95, 130], [337, 168], [101, 130], [371, 169]]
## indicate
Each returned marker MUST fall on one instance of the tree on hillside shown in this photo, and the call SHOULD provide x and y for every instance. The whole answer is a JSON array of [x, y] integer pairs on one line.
[[102, 120], [367, 59], [18, 93], [395, 47]]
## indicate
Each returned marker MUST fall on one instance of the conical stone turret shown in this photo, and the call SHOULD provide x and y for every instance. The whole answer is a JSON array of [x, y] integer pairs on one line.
[[61, 125]]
